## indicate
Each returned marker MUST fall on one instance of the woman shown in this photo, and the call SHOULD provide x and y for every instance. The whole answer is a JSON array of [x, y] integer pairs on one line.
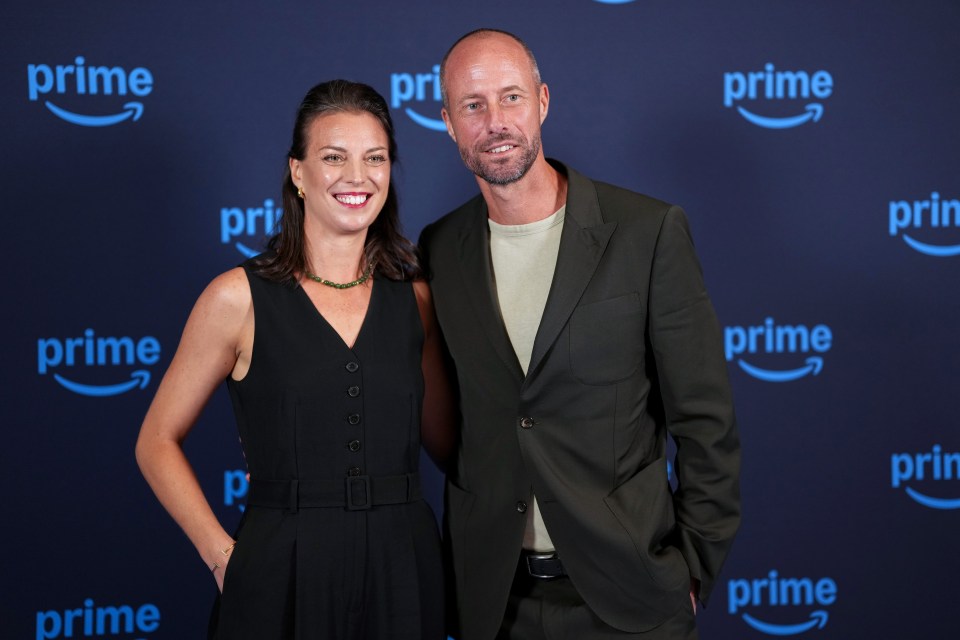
[[330, 350]]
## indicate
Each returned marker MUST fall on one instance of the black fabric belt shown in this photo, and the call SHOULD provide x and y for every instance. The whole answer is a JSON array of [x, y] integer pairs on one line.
[[354, 493], [542, 566]]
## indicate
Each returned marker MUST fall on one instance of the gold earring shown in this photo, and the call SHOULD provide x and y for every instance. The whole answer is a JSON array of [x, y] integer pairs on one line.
[[300, 192]]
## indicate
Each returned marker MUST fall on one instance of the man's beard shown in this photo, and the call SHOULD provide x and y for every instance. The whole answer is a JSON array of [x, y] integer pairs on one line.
[[501, 174]]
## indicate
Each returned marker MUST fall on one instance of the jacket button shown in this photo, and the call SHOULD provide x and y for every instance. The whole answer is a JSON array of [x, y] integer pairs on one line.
[[353, 471], [353, 418], [353, 445], [352, 367], [353, 391], [526, 423], [521, 506]]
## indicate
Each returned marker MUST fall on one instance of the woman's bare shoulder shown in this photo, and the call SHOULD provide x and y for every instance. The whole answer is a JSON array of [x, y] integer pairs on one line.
[[226, 299]]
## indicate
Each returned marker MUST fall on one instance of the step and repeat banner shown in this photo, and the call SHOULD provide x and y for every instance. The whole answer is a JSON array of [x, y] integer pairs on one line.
[[814, 145]]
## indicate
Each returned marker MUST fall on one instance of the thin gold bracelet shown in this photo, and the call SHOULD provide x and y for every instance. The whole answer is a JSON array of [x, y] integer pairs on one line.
[[226, 552]]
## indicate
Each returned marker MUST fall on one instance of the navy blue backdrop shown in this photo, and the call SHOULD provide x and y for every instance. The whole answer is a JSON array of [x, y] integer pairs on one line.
[[812, 143]]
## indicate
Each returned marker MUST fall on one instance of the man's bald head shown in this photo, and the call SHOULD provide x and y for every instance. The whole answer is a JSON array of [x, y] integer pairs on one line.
[[482, 34]]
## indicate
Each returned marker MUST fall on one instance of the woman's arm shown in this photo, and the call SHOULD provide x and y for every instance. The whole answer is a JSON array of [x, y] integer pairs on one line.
[[439, 415], [216, 342]]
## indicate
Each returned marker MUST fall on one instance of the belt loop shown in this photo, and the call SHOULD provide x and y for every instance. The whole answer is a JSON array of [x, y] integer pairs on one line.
[[294, 498], [414, 492]]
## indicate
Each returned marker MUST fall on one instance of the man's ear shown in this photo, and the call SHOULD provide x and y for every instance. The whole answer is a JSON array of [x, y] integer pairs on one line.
[[544, 96], [446, 121]]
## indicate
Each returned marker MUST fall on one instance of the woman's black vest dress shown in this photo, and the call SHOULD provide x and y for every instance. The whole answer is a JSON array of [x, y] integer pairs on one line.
[[335, 541]]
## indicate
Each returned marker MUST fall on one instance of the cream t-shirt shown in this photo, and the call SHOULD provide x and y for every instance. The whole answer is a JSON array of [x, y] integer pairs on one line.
[[524, 258]]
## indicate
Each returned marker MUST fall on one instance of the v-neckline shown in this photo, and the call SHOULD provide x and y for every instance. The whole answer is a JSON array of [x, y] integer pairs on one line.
[[363, 324]]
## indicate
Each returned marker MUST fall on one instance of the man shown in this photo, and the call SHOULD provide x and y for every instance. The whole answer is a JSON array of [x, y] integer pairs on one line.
[[581, 331]]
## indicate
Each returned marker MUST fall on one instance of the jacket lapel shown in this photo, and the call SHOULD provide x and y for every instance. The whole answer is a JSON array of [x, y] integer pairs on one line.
[[478, 283], [582, 242]]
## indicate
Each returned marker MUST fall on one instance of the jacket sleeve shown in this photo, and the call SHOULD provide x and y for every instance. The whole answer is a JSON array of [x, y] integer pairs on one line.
[[697, 401]]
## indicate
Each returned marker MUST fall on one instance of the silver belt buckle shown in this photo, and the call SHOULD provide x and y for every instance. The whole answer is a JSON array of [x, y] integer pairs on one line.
[[539, 556]]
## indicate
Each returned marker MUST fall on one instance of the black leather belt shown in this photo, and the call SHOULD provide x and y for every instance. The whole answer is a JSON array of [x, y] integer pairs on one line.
[[354, 493], [542, 566]]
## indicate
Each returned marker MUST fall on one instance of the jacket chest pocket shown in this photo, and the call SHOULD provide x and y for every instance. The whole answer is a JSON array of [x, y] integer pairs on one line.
[[606, 339]]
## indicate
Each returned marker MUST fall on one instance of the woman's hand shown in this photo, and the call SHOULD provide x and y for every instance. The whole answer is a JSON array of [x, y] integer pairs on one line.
[[219, 566]]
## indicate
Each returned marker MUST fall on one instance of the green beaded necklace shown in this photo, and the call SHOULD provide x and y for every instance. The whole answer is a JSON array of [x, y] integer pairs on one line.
[[346, 285]]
